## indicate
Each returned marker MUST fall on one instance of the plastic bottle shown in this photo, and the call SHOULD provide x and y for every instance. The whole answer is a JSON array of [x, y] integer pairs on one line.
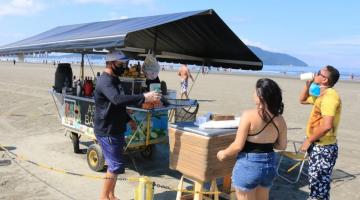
[[88, 87], [74, 82], [78, 88]]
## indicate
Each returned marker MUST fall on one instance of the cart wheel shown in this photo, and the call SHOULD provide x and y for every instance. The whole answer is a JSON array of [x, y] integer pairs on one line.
[[95, 158], [75, 141], [147, 152]]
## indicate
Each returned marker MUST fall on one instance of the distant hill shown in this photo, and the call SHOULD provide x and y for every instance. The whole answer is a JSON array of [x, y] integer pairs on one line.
[[268, 58], [272, 58]]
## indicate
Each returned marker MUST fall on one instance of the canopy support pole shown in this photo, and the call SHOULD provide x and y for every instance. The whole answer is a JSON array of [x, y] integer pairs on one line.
[[20, 57], [155, 42], [82, 67], [192, 85]]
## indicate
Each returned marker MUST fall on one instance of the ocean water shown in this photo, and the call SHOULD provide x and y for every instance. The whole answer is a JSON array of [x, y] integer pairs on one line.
[[281, 70], [345, 72], [290, 71]]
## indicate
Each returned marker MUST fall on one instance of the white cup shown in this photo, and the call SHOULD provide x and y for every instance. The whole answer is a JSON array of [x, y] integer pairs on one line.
[[307, 76]]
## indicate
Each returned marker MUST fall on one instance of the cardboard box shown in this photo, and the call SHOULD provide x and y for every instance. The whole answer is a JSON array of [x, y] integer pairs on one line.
[[194, 155]]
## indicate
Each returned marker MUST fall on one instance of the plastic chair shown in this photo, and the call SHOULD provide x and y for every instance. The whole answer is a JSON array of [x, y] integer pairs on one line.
[[298, 157]]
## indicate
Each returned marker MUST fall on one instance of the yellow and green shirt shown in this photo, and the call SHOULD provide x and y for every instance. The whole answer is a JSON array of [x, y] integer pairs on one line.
[[327, 104]]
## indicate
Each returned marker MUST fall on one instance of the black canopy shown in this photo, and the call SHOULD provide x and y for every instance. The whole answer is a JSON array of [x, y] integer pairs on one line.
[[198, 37]]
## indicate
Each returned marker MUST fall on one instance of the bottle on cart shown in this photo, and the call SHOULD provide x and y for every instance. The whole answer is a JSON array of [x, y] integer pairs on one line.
[[74, 82], [83, 86], [88, 87], [78, 88], [138, 67]]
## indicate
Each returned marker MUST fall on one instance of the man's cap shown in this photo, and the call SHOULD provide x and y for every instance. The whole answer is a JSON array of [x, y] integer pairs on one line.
[[116, 55]]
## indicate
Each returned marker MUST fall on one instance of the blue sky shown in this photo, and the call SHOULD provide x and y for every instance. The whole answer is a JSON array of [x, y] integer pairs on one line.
[[318, 32]]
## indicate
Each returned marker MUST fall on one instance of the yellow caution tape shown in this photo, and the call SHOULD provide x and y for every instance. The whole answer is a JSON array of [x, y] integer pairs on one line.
[[143, 180]]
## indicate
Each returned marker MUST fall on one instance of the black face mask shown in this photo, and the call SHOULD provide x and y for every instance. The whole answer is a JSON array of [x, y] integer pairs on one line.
[[118, 70]]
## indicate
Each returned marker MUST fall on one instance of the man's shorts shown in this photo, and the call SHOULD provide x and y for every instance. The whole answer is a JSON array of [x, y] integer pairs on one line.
[[254, 169], [184, 86], [112, 148]]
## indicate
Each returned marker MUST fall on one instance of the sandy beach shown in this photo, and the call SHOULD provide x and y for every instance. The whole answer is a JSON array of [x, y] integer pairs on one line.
[[29, 126]]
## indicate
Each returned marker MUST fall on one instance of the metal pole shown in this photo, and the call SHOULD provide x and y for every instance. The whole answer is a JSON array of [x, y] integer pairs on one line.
[[82, 67], [203, 65], [57, 109], [155, 42], [144, 190], [148, 128]]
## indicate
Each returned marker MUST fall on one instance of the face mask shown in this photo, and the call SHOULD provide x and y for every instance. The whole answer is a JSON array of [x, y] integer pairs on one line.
[[118, 70], [314, 89]]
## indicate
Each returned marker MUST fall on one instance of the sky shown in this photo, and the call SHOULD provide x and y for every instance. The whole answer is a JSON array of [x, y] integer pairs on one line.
[[318, 32]]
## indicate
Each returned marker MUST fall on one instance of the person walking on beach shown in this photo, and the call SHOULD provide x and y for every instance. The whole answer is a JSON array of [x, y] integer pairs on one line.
[[111, 118], [351, 76], [321, 130], [14, 61], [261, 130], [184, 74]]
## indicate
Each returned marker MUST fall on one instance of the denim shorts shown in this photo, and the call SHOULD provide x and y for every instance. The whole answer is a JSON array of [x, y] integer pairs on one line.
[[112, 148], [254, 169]]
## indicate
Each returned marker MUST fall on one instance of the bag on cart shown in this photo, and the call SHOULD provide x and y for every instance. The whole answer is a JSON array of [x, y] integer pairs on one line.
[[63, 76], [151, 67]]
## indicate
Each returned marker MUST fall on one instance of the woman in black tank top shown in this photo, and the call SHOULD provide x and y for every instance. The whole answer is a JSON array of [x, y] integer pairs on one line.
[[252, 147], [255, 167]]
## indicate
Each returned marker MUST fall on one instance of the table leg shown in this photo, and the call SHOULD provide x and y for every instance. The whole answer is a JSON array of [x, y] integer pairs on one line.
[[180, 187], [214, 188], [198, 188], [148, 128], [227, 184]]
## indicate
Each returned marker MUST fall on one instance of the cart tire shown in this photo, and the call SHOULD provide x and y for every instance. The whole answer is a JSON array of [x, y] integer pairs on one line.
[[147, 152], [95, 158], [75, 141]]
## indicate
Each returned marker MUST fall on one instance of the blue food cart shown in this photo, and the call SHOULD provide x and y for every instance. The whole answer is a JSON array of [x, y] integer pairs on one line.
[[77, 116]]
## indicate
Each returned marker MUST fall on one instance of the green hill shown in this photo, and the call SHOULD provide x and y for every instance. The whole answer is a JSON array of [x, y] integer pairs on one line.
[[272, 58]]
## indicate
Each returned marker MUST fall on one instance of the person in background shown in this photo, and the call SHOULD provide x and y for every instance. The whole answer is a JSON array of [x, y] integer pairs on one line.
[[111, 118], [184, 74], [148, 80], [261, 130], [321, 130]]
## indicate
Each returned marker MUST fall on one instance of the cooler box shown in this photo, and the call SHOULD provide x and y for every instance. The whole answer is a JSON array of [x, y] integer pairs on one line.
[[193, 151]]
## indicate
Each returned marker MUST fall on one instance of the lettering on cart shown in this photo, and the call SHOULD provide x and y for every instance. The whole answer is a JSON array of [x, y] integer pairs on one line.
[[89, 116]]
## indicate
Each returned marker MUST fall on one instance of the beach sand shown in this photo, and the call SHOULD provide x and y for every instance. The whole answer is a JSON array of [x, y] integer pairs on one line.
[[29, 126]]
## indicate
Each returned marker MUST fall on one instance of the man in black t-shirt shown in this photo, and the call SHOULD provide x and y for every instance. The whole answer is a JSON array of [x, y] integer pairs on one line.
[[111, 117]]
